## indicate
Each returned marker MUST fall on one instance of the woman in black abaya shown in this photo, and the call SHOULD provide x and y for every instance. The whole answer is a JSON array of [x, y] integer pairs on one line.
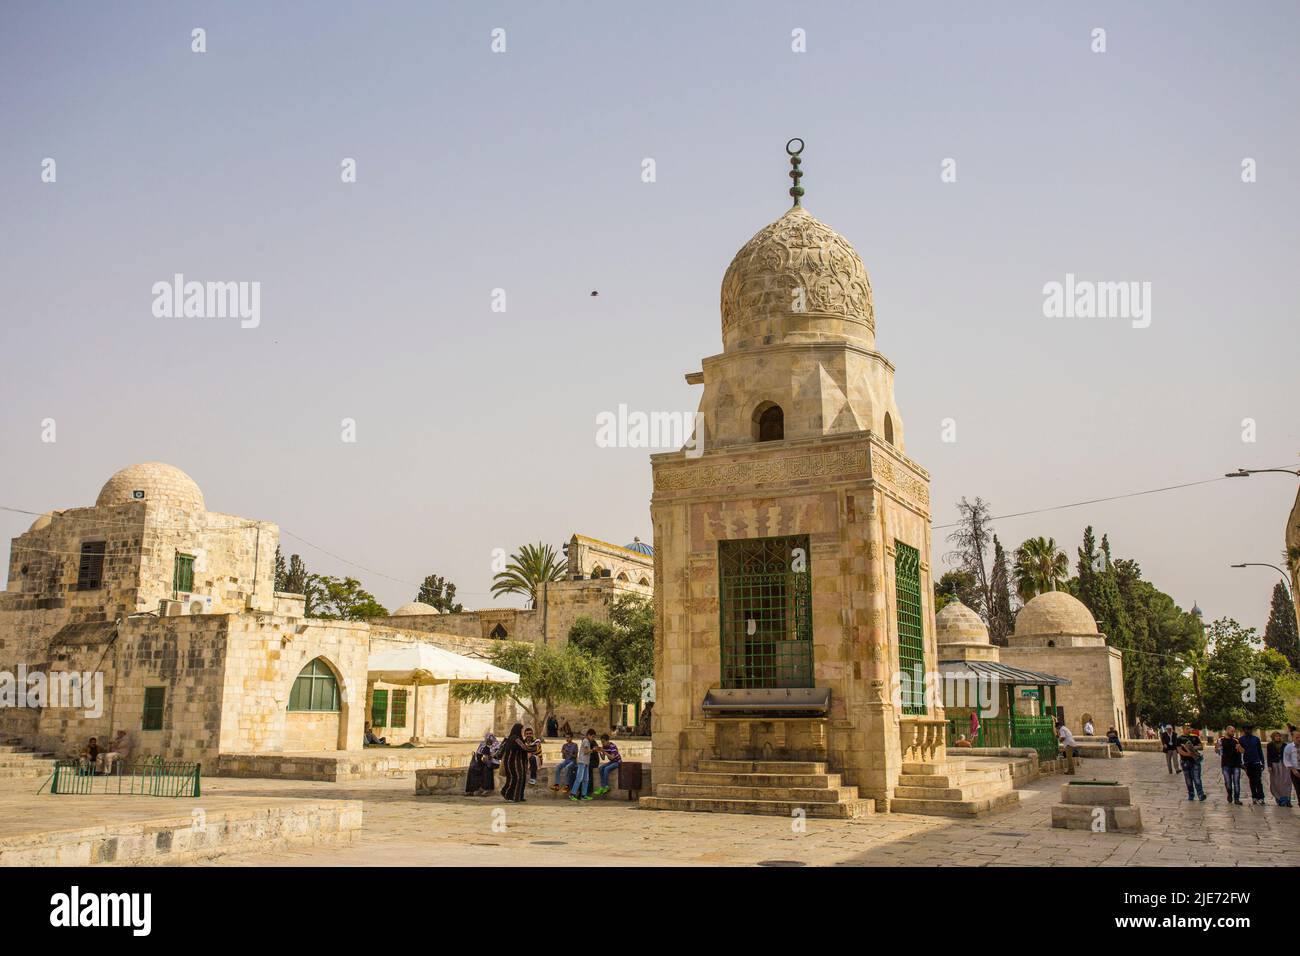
[[514, 764]]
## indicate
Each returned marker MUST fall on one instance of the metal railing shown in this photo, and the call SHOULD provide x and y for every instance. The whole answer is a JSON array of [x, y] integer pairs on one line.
[[1037, 733], [151, 778]]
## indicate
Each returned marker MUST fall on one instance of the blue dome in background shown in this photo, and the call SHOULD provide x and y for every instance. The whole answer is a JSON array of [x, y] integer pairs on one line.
[[640, 547]]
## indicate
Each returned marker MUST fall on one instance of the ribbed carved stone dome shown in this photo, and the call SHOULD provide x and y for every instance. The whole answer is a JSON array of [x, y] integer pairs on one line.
[[1053, 614], [155, 482], [796, 279]]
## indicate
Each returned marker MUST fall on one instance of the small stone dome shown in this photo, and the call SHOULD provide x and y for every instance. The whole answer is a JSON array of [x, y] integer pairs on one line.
[[411, 608], [797, 259], [1054, 613], [640, 547], [44, 520], [152, 481], [958, 624]]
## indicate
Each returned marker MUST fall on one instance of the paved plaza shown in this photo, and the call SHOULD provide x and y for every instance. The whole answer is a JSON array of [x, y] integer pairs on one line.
[[400, 829]]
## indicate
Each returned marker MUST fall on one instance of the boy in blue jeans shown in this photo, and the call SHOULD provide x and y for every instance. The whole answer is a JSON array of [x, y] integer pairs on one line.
[[581, 789], [613, 760], [568, 761]]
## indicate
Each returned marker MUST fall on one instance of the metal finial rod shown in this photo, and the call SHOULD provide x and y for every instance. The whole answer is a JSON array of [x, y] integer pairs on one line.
[[796, 191]]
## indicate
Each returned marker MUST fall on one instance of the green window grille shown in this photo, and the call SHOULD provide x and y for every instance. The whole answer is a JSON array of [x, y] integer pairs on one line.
[[90, 569], [183, 573], [398, 719], [911, 635], [315, 688], [379, 708], [765, 612], [154, 700]]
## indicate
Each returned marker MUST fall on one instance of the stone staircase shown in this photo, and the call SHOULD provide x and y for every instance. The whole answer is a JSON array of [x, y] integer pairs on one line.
[[776, 787], [23, 762], [954, 788]]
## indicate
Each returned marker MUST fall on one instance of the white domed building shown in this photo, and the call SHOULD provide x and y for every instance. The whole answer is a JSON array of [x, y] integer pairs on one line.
[[1056, 633], [792, 541]]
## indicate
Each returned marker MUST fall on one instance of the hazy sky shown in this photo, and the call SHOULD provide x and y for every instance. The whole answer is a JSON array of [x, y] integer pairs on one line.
[[522, 171]]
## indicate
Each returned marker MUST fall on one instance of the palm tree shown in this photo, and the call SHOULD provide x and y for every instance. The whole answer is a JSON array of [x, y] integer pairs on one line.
[[525, 572], [1040, 566]]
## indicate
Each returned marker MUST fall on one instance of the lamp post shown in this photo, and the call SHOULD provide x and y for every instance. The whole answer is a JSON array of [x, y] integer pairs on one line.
[[1286, 581], [1247, 472]]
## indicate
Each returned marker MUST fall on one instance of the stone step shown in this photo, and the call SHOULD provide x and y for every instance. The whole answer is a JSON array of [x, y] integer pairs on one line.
[[953, 779], [23, 757], [783, 808], [819, 780], [938, 767], [34, 771], [968, 791], [763, 766], [955, 808], [796, 795]]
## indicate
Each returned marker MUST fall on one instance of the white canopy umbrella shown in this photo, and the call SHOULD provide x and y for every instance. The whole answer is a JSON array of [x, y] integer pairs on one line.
[[422, 663]]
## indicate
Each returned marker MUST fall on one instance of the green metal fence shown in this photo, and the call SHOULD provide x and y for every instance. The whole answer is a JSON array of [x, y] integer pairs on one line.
[[1037, 733], [151, 778]]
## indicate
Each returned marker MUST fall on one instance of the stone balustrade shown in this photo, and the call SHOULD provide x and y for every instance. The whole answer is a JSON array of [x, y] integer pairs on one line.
[[921, 739]]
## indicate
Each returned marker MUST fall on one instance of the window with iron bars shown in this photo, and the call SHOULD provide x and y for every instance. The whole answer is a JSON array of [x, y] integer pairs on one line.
[[911, 633], [765, 612]]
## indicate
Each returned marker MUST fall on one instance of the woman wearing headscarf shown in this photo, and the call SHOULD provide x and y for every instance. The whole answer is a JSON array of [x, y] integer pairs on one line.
[[479, 779], [514, 764], [1279, 777]]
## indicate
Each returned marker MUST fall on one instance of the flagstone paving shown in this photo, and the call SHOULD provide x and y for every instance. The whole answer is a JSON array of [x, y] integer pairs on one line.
[[401, 829]]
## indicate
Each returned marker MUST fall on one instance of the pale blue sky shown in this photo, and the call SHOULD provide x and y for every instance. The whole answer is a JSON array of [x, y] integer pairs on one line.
[[522, 171]]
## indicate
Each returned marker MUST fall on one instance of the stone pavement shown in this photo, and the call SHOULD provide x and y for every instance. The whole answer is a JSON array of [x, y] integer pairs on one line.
[[401, 829]]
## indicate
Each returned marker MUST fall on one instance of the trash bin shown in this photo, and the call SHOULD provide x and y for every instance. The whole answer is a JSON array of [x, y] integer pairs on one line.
[[629, 778]]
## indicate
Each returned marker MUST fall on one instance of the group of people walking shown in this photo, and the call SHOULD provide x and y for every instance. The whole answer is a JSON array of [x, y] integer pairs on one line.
[[519, 758], [1279, 759]]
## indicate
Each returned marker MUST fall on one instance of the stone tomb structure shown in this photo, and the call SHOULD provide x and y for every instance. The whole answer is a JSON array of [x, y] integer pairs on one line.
[[1056, 634], [794, 615]]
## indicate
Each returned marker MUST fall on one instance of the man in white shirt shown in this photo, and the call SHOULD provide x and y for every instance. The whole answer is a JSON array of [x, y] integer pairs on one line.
[[1088, 729], [1067, 746], [1291, 760]]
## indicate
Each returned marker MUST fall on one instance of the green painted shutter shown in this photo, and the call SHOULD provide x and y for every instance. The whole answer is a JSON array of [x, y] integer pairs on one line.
[[183, 575], [398, 719], [379, 708], [154, 700], [911, 633]]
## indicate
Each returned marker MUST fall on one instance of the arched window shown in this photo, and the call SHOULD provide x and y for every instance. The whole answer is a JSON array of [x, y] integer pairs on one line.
[[622, 576], [769, 422], [315, 688], [889, 429], [499, 633], [644, 582], [596, 572]]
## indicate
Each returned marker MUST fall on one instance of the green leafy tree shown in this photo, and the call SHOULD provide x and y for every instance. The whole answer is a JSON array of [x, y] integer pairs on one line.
[[960, 584], [343, 600], [1000, 613], [548, 676], [1241, 680], [1280, 632], [526, 572], [438, 592], [1040, 567], [281, 572], [625, 644]]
